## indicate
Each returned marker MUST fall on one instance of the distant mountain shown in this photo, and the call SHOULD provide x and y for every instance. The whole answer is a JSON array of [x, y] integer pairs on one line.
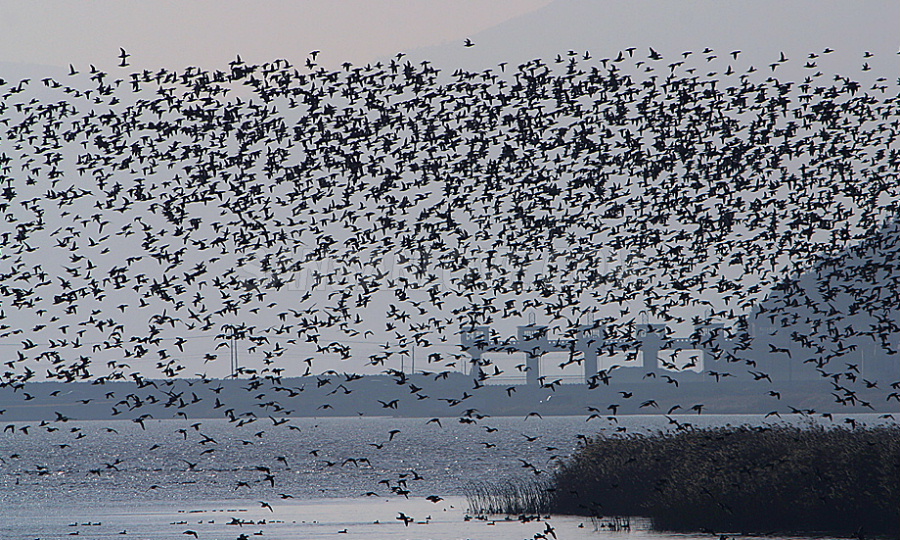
[[842, 317]]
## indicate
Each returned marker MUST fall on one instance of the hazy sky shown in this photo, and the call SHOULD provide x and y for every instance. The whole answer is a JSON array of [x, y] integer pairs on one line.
[[175, 34], [211, 33]]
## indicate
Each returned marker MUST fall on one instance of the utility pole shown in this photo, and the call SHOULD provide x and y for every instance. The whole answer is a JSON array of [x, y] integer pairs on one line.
[[234, 355]]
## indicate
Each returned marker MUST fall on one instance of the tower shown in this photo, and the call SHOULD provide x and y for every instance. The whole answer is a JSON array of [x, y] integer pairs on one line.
[[650, 338], [532, 340], [708, 337], [476, 341], [591, 337]]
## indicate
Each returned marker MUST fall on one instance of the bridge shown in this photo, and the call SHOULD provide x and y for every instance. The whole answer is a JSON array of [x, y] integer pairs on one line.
[[590, 341]]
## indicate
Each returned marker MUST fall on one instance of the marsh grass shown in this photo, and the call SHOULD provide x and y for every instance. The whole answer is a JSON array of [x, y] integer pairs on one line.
[[734, 479], [741, 479], [511, 497]]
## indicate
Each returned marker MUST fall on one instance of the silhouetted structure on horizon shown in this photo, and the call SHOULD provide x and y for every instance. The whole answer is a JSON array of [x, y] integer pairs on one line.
[[592, 341]]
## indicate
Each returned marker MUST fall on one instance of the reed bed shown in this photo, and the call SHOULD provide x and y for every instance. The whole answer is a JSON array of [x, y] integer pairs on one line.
[[740, 479], [511, 497]]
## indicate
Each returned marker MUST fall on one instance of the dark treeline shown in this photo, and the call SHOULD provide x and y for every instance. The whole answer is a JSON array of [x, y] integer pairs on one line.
[[726, 480]]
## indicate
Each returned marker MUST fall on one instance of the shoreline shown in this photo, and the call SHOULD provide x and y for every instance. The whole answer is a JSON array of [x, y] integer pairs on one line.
[[370, 395]]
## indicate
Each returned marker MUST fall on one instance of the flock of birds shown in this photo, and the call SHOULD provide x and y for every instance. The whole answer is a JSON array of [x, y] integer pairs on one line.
[[134, 203]]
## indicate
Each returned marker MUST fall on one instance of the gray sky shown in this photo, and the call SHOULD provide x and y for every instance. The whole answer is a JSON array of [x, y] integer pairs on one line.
[[210, 33]]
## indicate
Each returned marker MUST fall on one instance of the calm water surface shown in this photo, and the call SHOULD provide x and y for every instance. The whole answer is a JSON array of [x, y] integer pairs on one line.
[[112, 479]]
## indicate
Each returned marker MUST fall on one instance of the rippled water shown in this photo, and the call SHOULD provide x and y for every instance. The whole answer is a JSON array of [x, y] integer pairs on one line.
[[100, 478]]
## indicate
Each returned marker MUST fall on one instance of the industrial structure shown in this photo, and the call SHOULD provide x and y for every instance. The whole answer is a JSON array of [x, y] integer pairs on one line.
[[590, 342]]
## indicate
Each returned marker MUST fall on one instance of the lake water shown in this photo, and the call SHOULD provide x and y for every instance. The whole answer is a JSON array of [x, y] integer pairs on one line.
[[112, 479]]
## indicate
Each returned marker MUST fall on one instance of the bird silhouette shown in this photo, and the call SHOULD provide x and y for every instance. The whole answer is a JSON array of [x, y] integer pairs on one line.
[[157, 218]]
